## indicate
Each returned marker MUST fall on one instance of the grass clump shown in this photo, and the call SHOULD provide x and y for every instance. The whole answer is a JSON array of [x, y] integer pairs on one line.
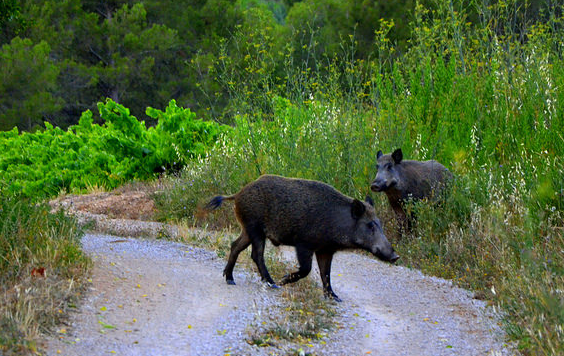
[[42, 271], [304, 316]]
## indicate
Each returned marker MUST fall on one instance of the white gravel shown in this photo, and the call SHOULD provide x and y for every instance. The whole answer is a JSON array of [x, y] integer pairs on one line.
[[392, 310], [154, 297]]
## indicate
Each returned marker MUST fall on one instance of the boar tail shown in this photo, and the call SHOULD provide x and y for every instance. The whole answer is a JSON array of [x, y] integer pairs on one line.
[[217, 201]]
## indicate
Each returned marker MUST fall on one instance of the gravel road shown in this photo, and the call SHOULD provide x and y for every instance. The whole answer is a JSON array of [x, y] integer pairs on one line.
[[154, 297]]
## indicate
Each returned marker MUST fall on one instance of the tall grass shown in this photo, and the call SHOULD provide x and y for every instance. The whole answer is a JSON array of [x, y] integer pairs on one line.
[[41, 272], [483, 98]]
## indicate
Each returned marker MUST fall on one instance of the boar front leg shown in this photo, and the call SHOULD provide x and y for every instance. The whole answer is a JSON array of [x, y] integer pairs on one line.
[[324, 259], [304, 258], [258, 240], [403, 220]]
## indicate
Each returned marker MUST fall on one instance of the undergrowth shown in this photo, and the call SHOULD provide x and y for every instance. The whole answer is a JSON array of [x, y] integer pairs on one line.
[[42, 270]]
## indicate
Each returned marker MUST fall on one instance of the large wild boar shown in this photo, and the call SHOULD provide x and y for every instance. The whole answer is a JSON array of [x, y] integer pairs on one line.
[[312, 216], [403, 180]]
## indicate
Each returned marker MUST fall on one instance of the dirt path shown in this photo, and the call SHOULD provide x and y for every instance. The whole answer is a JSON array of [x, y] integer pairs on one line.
[[158, 298], [398, 311], [163, 298]]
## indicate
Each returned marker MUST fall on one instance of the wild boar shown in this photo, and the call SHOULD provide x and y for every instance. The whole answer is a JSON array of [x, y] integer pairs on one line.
[[403, 180], [312, 216]]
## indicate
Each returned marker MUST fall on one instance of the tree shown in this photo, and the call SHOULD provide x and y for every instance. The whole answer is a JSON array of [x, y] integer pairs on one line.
[[107, 49], [12, 22], [27, 81]]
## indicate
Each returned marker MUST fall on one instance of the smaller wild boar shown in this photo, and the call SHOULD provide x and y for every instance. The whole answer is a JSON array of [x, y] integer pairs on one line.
[[312, 216], [403, 180]]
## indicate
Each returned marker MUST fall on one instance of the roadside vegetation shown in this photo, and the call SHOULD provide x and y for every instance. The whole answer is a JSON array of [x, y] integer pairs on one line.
[[476, 86], [89, 156], [42, 273]]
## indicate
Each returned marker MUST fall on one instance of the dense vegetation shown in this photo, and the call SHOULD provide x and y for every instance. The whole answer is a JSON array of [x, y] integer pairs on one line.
[[42, 271], [59, 58], [87, 155], [313, 89]]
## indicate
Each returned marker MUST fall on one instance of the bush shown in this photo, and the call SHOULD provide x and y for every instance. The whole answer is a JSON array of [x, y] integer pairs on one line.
[[44, 163], [42, 271]]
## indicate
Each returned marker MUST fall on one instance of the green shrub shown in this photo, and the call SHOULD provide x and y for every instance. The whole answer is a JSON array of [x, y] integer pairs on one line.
[[43, 163]]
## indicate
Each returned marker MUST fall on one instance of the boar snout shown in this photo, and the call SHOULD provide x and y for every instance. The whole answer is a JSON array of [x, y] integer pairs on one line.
[[387, 256], [384, 251], [379, 184], [375, 186]]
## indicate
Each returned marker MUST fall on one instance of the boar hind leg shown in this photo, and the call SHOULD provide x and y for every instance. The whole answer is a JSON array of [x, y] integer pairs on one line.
[[258, 240], [236, 247], [304, 259], [324, 259]]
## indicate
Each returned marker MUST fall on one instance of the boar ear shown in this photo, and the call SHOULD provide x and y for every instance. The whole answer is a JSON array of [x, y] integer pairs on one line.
[[357, 209], [369, 200], [379, 154], [397, 156]]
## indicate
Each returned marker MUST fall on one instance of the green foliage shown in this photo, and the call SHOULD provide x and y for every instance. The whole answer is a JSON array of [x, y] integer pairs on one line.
[[137, 53], [43, 163], [12, 22], [41, 271], [27, 83], [105, 50]]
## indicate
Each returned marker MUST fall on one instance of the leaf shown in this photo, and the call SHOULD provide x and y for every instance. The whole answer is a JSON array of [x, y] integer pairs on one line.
[[106, 325]]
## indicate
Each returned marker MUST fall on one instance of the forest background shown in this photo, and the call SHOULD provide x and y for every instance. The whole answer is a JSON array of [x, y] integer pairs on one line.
[[59, 58], [229, 90]]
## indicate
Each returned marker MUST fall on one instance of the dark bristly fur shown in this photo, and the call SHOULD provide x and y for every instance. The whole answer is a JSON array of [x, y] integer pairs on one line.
[[312, 216], [217, 201], [403, 180]]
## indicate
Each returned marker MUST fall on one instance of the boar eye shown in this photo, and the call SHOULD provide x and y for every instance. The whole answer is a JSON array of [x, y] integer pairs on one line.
[[372, 225]]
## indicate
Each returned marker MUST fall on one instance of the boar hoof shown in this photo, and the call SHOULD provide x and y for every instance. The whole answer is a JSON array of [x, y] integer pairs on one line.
[[231, 282], [333, 296], [272, 285]]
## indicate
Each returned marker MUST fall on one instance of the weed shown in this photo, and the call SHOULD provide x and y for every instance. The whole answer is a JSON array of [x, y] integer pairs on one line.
[[304, 314], [41, 272]]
